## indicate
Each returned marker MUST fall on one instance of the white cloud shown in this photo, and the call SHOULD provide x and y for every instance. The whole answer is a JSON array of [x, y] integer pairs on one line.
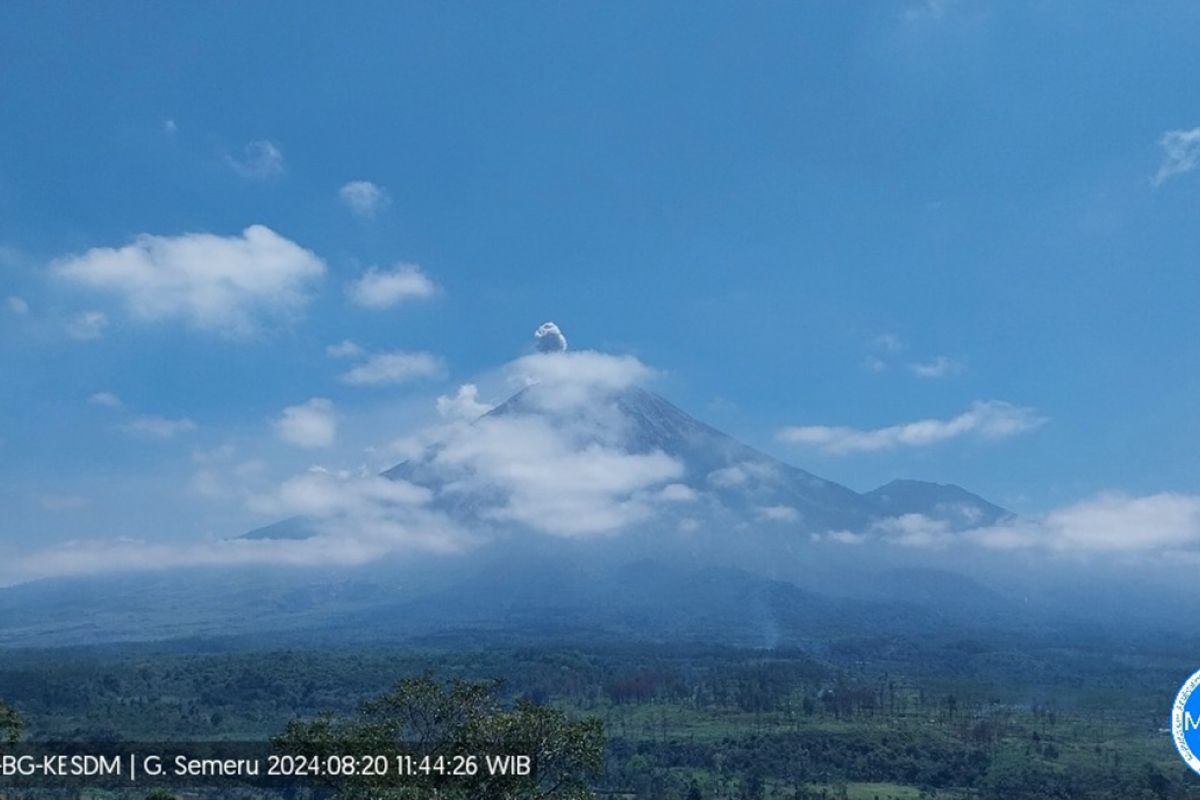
[[885, 346], [87, 325], [907, 530], [888, 342], [939, 367], [915, 530], [553, 477], [208, 483], [843, 537], [989, 420], [363, 197], [576, 377], [678, 493], [356, 517], [560, 460], [221, 476], [323, 493], [741, 474], [154, 427], [17, 305], [556, 472], [413, 446], [379, 289], [875, 364], [779, 514], [365, 510], [105, 399], [1181, 154], [259, 160], [464, 405], [1112, 522], [386, 368], [216, 283], [1109, 523], [549, 338], [344, 349], [339, 547], [169, 127], [312, 424]]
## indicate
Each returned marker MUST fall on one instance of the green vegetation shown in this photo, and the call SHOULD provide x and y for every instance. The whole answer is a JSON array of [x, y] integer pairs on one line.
[[893, 720], [10, 723], [427, 719]]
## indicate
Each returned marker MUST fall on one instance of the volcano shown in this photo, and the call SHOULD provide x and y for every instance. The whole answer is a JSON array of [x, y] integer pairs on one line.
[[613, 514], [736, 480]]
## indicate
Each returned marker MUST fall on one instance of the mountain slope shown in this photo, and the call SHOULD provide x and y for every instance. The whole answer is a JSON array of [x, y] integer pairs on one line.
[[741, 484], [749, 567], [744, 480], [943, 502]]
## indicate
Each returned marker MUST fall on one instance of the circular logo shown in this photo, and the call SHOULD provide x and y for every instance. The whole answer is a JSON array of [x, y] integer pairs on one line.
[[1185, 722]]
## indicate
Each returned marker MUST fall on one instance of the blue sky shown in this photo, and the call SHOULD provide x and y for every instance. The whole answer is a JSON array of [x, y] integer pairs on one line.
[[801, 214]]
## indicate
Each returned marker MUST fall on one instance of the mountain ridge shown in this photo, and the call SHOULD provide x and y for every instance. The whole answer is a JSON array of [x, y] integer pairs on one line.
[[743, 478], [756, 569]]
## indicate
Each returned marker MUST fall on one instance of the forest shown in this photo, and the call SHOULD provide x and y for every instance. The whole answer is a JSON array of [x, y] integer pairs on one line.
[[886, 718]]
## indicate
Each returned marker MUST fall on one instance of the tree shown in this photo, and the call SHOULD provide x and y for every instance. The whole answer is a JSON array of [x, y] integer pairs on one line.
[[423, 717], [755, 787], [160, 794], [10, 723]]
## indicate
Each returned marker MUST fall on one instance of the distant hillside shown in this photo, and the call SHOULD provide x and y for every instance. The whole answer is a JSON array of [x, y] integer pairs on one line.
[[940, 501], [749, 567]]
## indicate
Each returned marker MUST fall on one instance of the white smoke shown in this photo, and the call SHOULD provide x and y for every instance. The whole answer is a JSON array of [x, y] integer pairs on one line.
[[549, 339]]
